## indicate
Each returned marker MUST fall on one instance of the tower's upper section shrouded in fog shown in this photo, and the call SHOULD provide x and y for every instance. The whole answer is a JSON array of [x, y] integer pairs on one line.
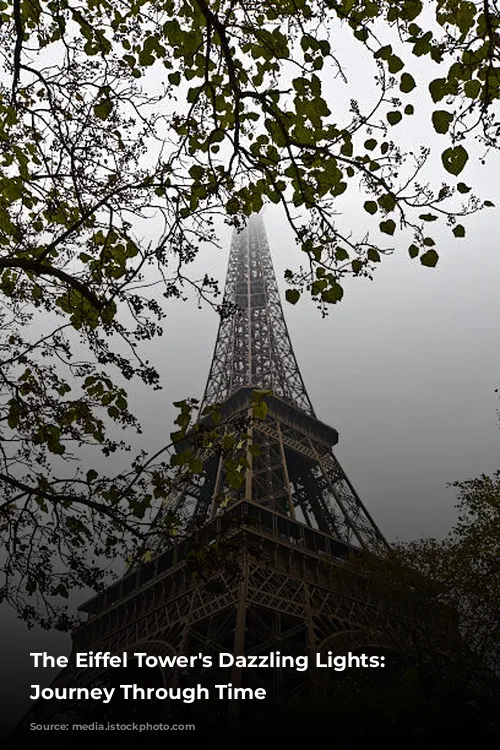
[[253, 346]]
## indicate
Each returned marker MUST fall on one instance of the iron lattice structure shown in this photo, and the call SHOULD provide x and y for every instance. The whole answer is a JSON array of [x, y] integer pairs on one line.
[[253, 346], [287, 533], [295, 472]]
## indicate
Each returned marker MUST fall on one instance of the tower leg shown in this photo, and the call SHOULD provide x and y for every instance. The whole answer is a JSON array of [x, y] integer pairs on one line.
[[239, 643]]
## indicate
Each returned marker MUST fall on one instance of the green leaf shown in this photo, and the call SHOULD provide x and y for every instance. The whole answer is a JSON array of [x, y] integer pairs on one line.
[[178, 435], [384, 53], [463, 188], [409, 109], [232, 206], [292, 296], [394, 117], [234, 479], [429, 258], [459, 231], [395, 64], [387, 202], [413, 251], [407, 83], [370, 144], [441, 120], [428, 217], [12, 189], [103, 109], [454, 159], [373, 255], [410, 9], [196, 465], [371, 207], [318, 286], [174, 78], [438, 89], [388, 226], [472, 88], [346, 149], [259, 410], [14, 414], [333, 294]]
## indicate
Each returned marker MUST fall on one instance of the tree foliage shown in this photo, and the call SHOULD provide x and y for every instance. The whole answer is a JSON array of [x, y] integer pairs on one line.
[[459, 575], [113, 114]]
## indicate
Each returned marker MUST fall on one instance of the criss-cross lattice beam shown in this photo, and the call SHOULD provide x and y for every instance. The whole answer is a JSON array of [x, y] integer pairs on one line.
[[253, 347]]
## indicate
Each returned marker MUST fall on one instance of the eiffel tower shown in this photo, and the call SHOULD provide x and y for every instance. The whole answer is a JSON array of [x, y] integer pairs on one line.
[[291, 526]]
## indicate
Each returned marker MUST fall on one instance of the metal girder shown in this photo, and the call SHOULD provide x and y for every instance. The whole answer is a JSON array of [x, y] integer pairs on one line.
[[253, 346]]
